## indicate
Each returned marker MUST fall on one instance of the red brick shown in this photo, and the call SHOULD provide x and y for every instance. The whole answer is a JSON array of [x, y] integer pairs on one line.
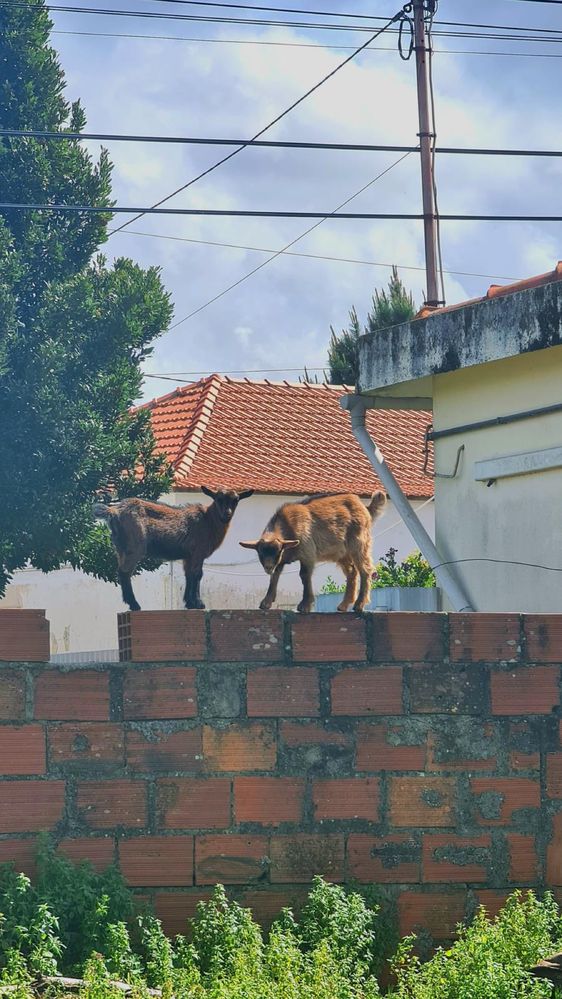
[[502, 798], [86, 744], [81, 695], [298, 858], [522, 757], [268, 800], [543, 633], [246, 636], [22, 750], [329, 638], [266, 903], [24, 635], [523, 860], [449, 858], [27, 806], [484, 637], [21, 853], [157, 861], [12, 695], [108, 803], [161, 751], [309, 733], [380, 747], [174, 909], [471, 748], [554, 853], [529, 690], [435, 913], [443, 689], [230, 860], [283, 692], [99, 850], [238, 748], [412, 637], [189, 803], [351, 798], [162, 636], [422, 801], [493, 901], [391, 859], [554, 775], [162, 692], [373, 691]]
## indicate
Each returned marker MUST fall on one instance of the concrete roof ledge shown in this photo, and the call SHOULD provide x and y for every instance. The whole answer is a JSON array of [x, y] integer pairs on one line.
[[489, 329]]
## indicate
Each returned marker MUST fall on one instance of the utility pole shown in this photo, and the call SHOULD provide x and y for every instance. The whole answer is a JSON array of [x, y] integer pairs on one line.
[[427, 138]]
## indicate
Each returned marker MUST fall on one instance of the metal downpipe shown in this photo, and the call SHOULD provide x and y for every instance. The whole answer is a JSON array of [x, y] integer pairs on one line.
[[356, 407]]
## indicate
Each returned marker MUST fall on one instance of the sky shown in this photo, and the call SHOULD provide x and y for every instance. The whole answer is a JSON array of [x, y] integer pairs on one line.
[[228, 81]]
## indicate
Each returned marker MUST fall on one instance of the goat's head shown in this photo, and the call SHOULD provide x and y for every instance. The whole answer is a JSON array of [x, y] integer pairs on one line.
[[271, 550], [226, 501]]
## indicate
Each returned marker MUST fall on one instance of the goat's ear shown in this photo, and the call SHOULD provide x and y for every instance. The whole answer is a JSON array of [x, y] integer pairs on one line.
[[208, 492], [248, 544], [290, 544], [245, 494]]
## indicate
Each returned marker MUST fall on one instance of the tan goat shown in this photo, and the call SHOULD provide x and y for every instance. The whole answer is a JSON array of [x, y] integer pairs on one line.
[[326, 528]]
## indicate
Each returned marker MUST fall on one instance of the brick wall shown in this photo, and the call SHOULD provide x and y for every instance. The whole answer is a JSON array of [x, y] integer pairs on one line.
[[418, 752]]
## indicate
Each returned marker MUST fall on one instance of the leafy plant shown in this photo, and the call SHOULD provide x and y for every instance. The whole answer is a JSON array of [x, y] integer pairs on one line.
[[414, 570], [490, 959]]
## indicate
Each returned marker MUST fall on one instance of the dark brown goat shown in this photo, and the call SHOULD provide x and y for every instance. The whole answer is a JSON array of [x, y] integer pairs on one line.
[[321, 529], [141, 529]]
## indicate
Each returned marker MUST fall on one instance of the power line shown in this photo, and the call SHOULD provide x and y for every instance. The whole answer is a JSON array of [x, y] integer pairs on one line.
[[266, 128], [313, 256], [297, 45], [516, 30], [288, 246], [269, 143], [250, 213]]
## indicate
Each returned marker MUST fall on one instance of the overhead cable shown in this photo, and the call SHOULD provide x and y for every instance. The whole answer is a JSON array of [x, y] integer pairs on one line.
[[288, 246], [250, 213], [262, 131], [269, 143], [481, 32], [295, 45], [312, 256]]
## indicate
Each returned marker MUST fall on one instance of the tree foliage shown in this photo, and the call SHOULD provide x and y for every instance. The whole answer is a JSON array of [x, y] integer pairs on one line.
[[73, 330], [388, 309]]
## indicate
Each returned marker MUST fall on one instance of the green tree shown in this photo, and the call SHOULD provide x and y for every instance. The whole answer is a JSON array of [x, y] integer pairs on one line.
[[73, 331], [388, 309]]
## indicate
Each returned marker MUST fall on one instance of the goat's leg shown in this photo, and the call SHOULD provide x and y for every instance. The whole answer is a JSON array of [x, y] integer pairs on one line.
[[192, 596], [366, 575], [127, 590], [271, 595], [350, 594], [307, 602]]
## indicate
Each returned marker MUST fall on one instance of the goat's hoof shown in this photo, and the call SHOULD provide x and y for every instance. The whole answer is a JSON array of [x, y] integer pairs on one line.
[[342, 608], [134, 607], [305, 608], [359, 609], [266, 605]]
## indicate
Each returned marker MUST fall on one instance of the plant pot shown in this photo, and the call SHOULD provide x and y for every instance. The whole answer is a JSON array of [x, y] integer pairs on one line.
[[389, 598]]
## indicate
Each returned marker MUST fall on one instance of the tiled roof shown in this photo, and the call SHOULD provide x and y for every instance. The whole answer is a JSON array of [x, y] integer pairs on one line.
[[277, 437], [499, 290]]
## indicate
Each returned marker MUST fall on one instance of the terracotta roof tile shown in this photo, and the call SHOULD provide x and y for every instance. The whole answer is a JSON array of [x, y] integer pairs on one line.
[[282, 438], [499, 290]]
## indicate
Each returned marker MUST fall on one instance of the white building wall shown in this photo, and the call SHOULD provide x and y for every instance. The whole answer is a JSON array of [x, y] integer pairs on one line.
[[518, 518], [82, 610]]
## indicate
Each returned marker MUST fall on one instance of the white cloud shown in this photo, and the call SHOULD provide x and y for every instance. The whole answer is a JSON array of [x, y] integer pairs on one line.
[[282, 314]]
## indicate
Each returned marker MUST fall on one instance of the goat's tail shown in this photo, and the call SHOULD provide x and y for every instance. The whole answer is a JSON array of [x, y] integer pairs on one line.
[[376, 504]]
